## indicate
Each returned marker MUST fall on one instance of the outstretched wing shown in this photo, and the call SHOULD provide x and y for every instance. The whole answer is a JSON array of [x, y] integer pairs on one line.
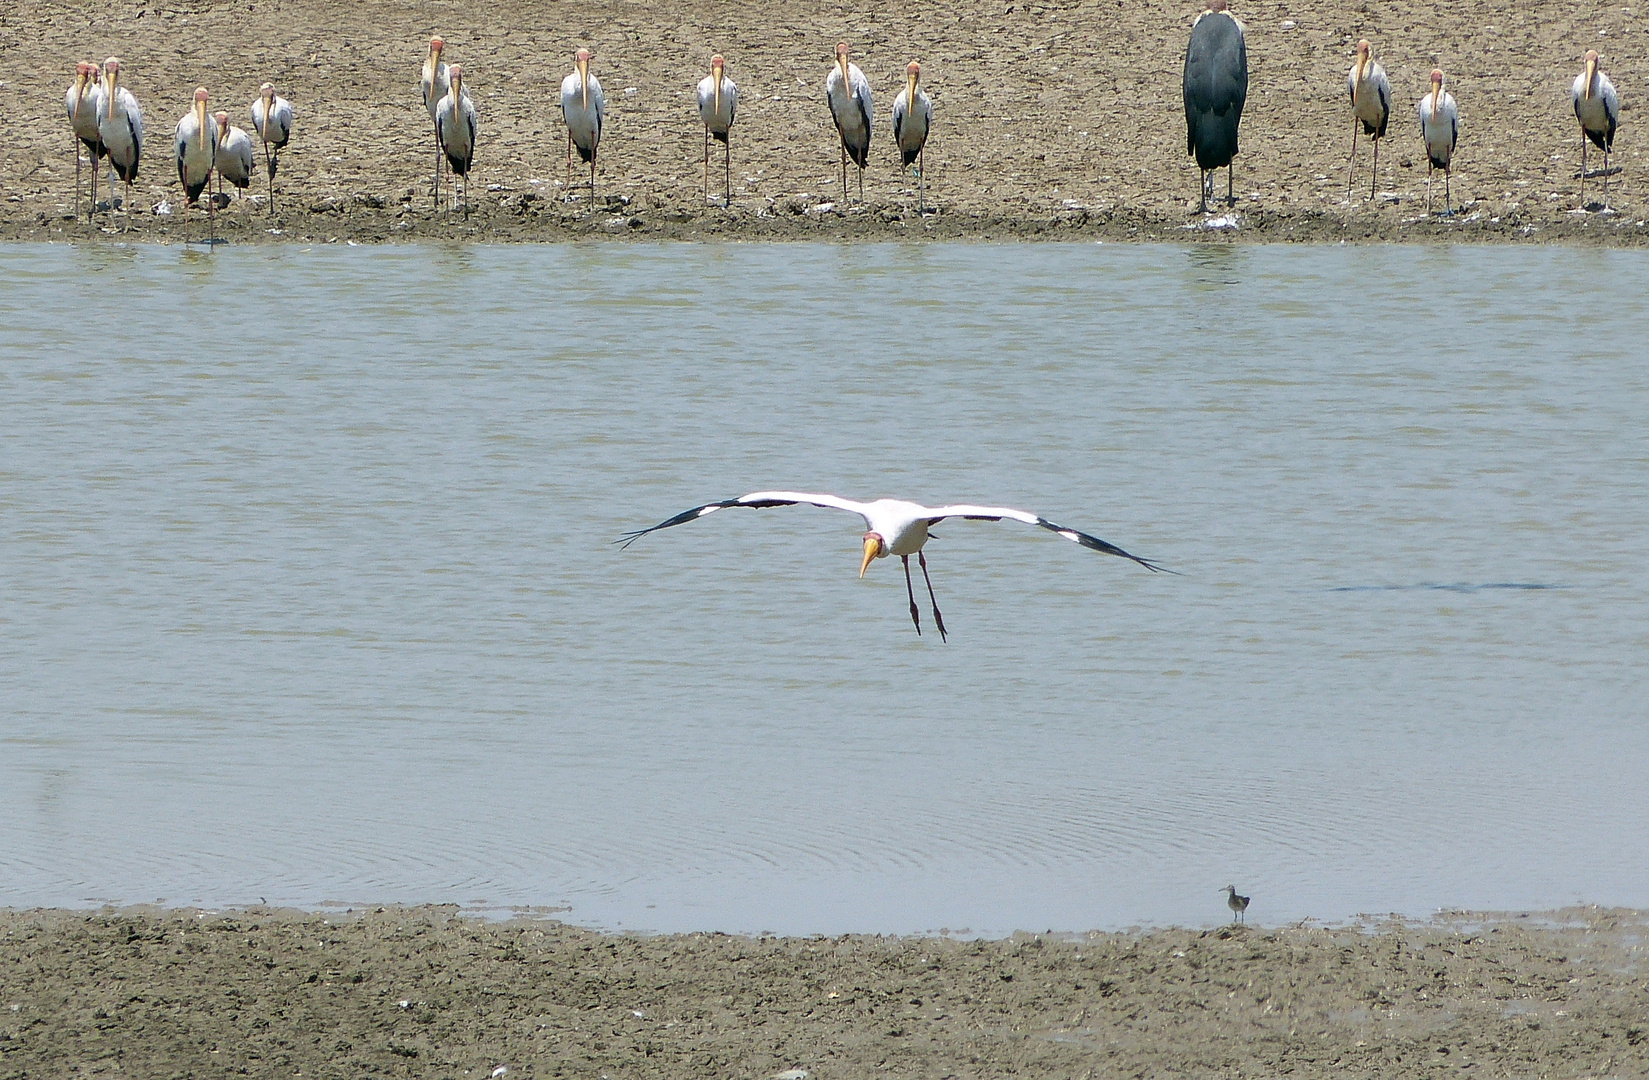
[[997, 513], [756, 500]]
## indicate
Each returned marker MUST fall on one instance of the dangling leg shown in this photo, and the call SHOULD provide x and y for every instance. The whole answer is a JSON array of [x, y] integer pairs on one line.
[[1351, 167], [938, 620], [910, 591]]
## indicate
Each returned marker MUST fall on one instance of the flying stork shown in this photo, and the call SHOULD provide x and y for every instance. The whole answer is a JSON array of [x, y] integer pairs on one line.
[[455, 124], [196, 142], [120, 127], [718, 101], [1440, 129], [272, 117], [1598, 110], [81, 102], [432, 83], [1370, 109], [1216, 85], [583, 109], [912, 113], [847, 92], [894, 527]]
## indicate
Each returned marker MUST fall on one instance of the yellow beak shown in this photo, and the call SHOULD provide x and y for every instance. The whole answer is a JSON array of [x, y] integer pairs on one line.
[[872, 547], [1591, 74], [584, 81], [200, 119], [910, 92], [715, 93]]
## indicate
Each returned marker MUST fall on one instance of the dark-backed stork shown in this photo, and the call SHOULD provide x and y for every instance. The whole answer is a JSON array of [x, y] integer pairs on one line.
[[893, 527], [847, 92], [81, 102], [912, 115], [1370, 109], [120, 126], [584, 110], [1216, 86], [1440, 130], [718, 102], [1598, 110]]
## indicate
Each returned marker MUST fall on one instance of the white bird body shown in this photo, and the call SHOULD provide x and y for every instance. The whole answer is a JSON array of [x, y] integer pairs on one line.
[[195, 141], [717, 115], [848, 93], [1439, 129], [455, 126], [433, 82], [82, 102], [273, 121], [119, 126], [1598, 110], [1370, 109], [910, 126], [583, 113], [893, 527], [233, 159]]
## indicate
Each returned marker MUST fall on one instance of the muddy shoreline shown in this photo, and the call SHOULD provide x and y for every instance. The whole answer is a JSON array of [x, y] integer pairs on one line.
[[426, 992], [1054, 120]]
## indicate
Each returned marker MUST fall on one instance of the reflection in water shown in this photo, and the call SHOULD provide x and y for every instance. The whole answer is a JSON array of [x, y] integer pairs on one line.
[[334, 613]]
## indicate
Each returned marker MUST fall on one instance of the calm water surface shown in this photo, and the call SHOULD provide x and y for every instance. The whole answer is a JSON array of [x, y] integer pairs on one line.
[[307, 590]]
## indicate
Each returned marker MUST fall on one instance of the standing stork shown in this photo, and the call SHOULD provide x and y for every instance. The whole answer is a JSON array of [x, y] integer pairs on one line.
[[1439, 129], [1370, 109], [894, 527], [433, 84], [233, 158], [81, 101], [272, 117], [1216, 86], [582, 109], [847, 92], [120, 127], [718, 101], [1598, 110], [455, 125], [912, 113], [196, 142]]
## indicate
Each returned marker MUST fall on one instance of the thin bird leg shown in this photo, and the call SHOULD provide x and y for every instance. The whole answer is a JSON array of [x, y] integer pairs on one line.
[[1606, 179], [910, 590], [938, 619], [1202, 189], [1448, 200], [569, 161], [707, 164], [1352, 166], [271, 173], [1374, 177], [1583, 168], [77, 177], [592, 176], [727, 172], [861, 182], [922, 179], [1428, 185], [1230, 199], [844, 171]]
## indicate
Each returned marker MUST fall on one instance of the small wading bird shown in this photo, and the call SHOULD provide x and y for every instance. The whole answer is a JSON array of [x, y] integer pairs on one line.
[[1237, 904], [1370, 109], [910, 129], [81, 101], [582, 109], [894, 527], [120, 127], [847, 92], [718, 101], [196, 141], [1439, 128], [432, 83], [1598, 110], [233, 160], [1216, 86], [272, 117], [455, 125]]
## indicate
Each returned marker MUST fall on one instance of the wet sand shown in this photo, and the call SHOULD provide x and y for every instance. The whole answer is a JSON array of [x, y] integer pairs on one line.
[[424, 992], [1052, 119]]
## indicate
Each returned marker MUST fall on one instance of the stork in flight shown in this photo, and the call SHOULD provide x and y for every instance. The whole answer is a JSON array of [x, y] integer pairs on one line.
[[1370, 109], [1439, 129], [847, 92], [718, 103], [1598, 110], [894, 527], [1216, 86]]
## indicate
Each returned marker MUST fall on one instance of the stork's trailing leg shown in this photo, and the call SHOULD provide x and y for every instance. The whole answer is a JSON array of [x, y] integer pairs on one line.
[[938, 619], [910, 590]]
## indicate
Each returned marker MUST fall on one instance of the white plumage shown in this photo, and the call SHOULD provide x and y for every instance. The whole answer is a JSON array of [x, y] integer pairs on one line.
[[120, 127], [272, 120], [1370, 109], [1598, 110], [847, 92], [718, 102], [195, 141], [583, 110], [1440, 130], [910, 128], [893, 527], [233, 159], [455, 126], [433, 85], [82, 103]]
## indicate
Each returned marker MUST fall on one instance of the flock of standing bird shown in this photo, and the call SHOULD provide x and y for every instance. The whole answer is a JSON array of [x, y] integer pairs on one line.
[[107, 120]]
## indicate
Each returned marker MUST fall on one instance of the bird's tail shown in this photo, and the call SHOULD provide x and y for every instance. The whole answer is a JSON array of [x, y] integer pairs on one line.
[[719, 136]]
